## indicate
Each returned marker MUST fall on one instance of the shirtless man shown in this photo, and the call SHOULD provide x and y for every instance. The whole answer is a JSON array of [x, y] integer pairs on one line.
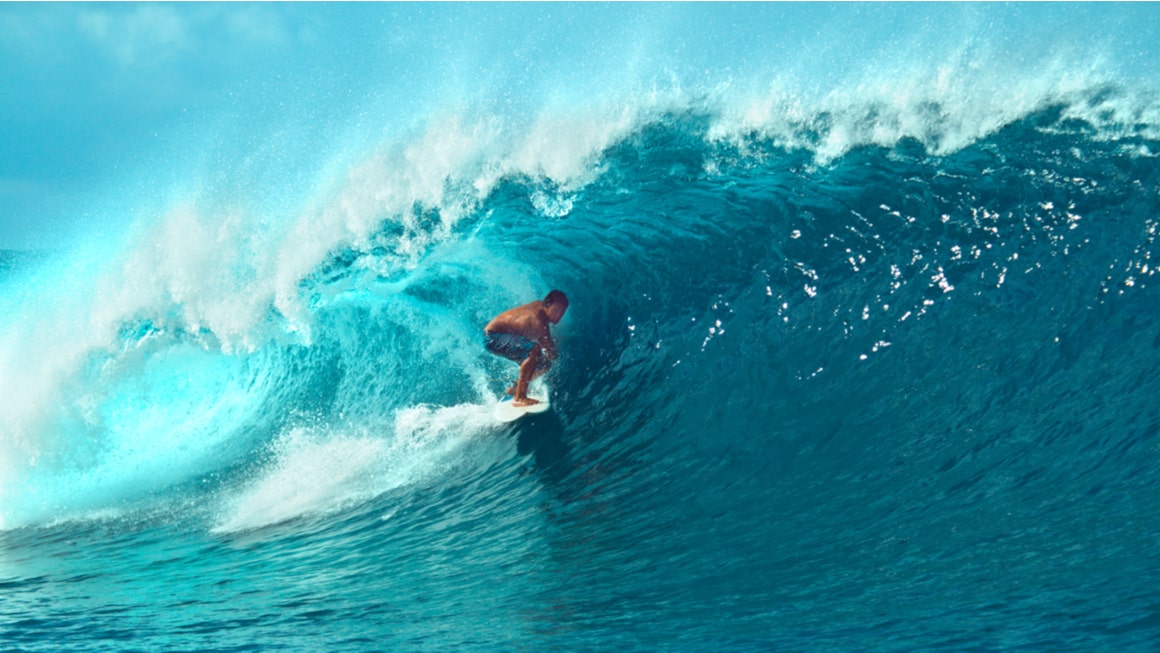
[[522, 335]]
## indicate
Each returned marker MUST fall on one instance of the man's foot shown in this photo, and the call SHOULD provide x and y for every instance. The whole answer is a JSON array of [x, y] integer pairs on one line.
[[526, 401]]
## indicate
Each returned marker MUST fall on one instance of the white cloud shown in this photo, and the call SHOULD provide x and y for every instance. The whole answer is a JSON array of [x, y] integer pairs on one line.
[[256, 25], [149, 33]]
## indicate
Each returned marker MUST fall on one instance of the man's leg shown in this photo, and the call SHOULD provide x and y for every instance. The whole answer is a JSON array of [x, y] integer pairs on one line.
[[528, 371]]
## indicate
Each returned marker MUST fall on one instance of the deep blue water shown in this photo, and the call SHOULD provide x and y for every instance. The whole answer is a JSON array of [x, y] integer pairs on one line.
[[861, 353]]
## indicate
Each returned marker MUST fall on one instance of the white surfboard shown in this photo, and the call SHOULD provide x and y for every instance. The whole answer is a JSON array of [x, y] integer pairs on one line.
[[506, 412]]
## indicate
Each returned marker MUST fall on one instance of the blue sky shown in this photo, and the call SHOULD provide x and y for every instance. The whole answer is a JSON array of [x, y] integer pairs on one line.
[[87, 88]]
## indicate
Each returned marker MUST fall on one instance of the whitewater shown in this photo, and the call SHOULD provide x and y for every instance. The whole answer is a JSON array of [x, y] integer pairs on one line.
[[861, 349]]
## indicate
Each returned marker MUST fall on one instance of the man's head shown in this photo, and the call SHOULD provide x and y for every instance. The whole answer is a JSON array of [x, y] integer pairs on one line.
[[556, 303]]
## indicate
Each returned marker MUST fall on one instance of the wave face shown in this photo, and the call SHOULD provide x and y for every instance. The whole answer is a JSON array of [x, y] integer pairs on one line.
[[861, 350]]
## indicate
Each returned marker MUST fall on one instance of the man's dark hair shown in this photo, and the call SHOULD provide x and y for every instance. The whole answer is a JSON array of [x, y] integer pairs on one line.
[[556, 297]]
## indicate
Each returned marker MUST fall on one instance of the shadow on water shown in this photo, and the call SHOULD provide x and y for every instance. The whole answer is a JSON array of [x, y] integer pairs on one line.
[[542, 437]]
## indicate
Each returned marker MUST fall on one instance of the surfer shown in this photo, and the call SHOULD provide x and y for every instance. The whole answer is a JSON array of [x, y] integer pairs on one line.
[[522, 335]]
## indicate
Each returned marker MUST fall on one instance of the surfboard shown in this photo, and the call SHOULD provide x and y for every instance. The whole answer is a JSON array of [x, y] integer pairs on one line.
[[506, 412]]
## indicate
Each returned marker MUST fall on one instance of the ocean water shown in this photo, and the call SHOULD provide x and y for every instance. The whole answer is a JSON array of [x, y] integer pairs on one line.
[[862, 351]]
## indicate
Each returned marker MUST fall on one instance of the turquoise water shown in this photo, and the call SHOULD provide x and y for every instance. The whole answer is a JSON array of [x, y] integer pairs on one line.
[[860, 355]]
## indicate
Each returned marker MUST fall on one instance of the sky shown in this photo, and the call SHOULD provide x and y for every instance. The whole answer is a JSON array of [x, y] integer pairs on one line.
[[84, 90], [90, 92]]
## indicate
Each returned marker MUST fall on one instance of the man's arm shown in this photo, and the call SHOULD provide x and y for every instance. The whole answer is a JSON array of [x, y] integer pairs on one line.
[[549, 346], [543, 338]]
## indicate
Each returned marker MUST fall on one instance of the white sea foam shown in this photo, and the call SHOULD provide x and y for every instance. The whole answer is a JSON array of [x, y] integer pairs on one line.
[[70, 374], [146, 422], [319, 471], [946, 106]]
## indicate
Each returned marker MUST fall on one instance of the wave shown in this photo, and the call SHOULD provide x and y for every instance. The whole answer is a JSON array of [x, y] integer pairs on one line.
[[214, 332]]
